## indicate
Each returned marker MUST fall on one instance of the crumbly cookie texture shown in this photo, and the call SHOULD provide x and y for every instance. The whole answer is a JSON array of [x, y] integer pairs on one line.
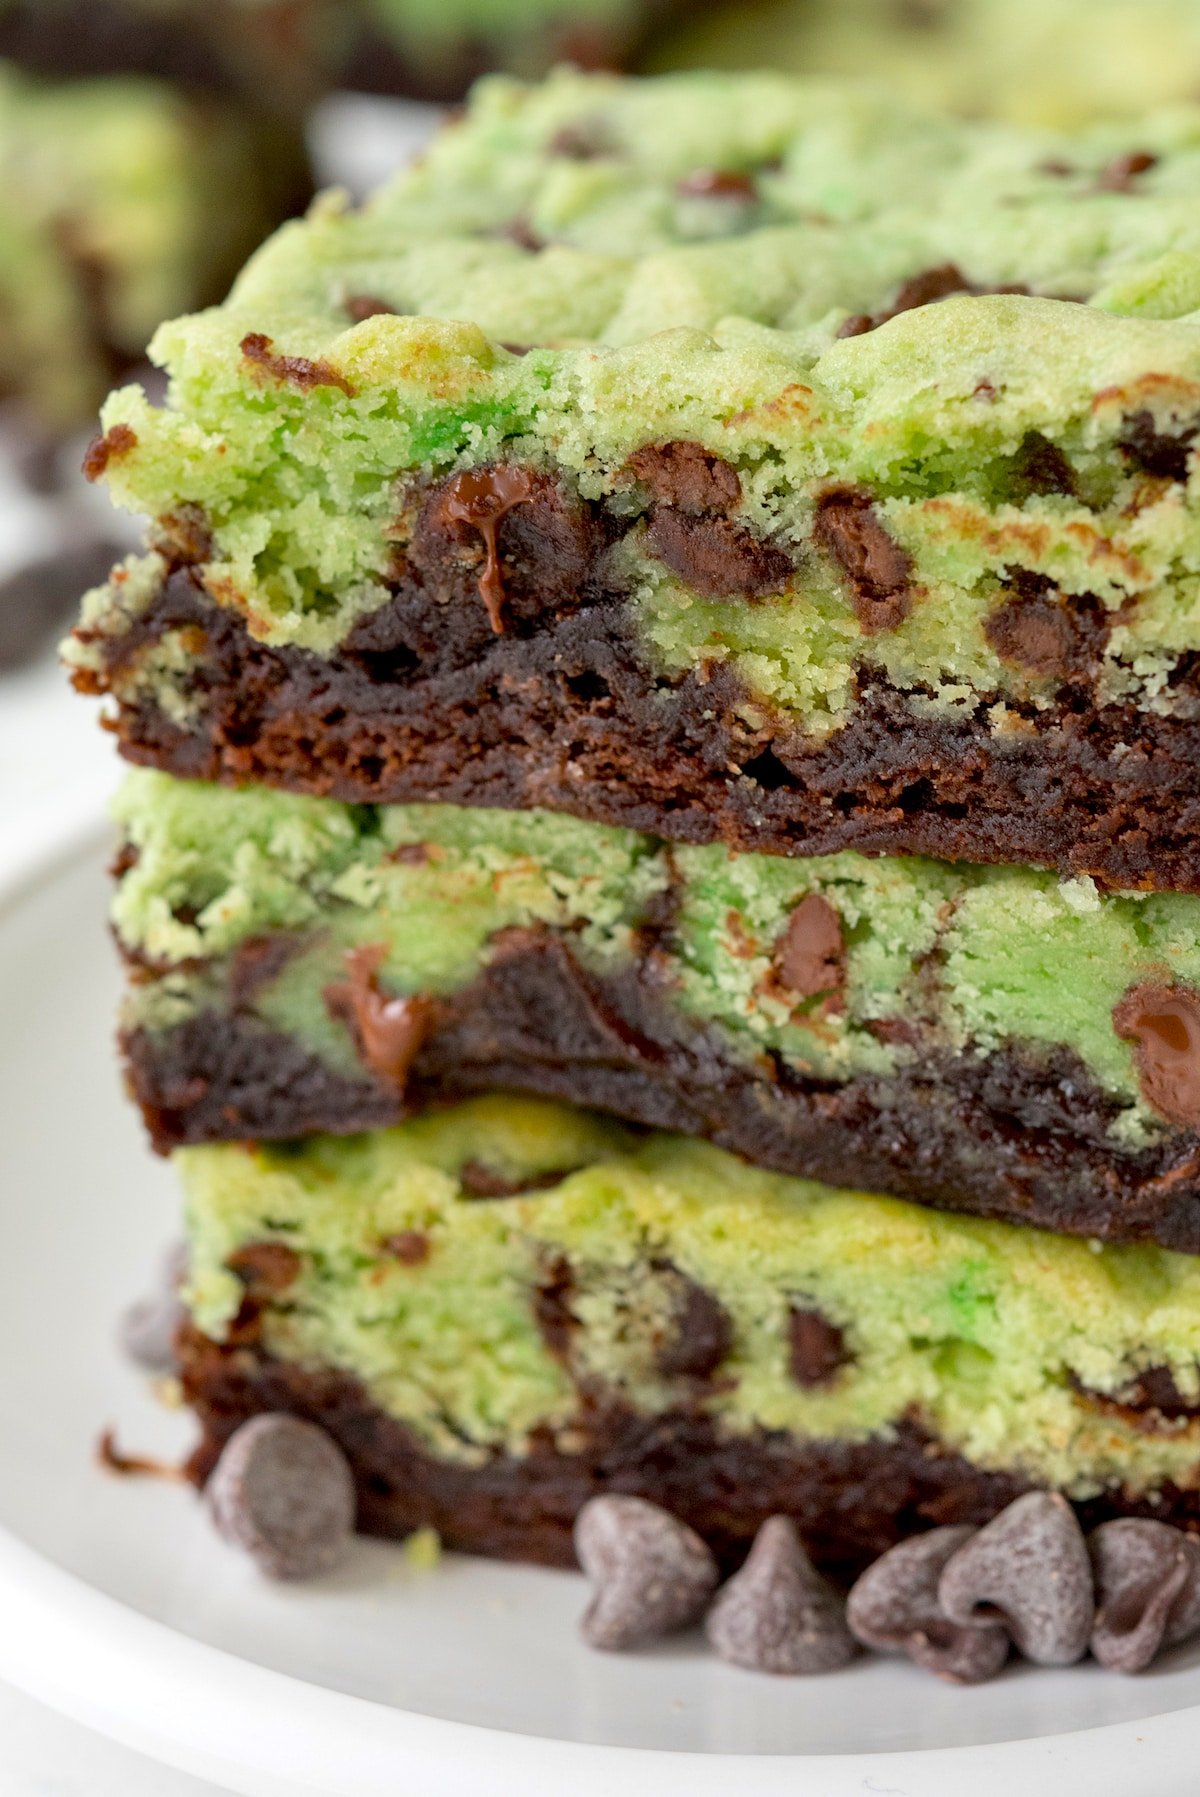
[[802, 1011], [715, 411], [645, 1277]]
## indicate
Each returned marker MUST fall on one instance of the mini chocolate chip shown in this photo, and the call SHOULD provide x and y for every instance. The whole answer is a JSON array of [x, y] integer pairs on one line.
[[1163, 1023], [816, 1348], [894, 1608], [265, 1266], [717, 556], [361, 306], [1029, 1569], [702, 1333], [876, 569], [556, 1321], [1047, 632], [1040, 467], [283, 1490], [1164, 453], [810, 951], [650, 1573], [410, 1247], [1121, 172], [778, 1614], [717, 184], [1147, 1591]]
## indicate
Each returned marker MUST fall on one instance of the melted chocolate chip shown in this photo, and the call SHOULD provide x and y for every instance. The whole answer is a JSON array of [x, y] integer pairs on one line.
[[702, 1333], [877, 570], [116, 441], [389, 1030], [1120, 174], [1041, 467], [1044, 631], [809, 953], [265, 1266], [685, 474], [1163, 1023], [361, 306], [256, 962], [717, 557], [478, 498], [1160, 452], [296, 371], [817, 1349], [410, 1247]]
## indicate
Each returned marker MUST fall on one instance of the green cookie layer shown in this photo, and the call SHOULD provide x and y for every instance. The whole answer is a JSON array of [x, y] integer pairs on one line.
[[971, 960], [995, 1337]]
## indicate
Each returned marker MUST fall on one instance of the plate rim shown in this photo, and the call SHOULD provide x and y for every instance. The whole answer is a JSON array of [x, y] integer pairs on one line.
[[104, 1663]]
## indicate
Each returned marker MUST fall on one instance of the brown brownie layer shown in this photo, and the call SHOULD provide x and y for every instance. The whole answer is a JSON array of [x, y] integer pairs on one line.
[[1014, 1135], [424, 701], [851, 1500]]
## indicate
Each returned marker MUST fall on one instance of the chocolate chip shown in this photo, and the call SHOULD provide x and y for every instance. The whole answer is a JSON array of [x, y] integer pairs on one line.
[[651, 1574], [283, 1490], [816, 1348], [701, 1334], [1160, 452], [923, 289], [556, 1321], [809, 953], [718, 557], [361, 306], [518, 230], [410, 1247], [265, 1267], [478, 1180], [116, 441], [1163, 1023], [684, 473], [184, 535], [1122, 171], [894, 1608], [584, 141], [877, 570], [295, 371], [1040, 467], [1028, 1569], [1044, 631], [717, 184], [1147, 1591], [148, 1329], [38, 598], [778, 1614], [388, 1030]]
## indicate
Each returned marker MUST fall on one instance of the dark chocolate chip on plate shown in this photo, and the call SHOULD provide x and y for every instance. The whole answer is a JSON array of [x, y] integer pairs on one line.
[[894, 1608], [148, 1328], [1147, 1591], [778, 1614], [1028, 1569], [650, 1573], [283, 1491]]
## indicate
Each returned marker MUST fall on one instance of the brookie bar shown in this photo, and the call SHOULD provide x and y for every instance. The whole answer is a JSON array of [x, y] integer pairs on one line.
[[503, 1309], [984, 1039], [727, 457]]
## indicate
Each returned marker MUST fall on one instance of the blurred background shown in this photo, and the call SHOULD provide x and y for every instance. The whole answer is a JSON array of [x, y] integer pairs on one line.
[[146, 147]]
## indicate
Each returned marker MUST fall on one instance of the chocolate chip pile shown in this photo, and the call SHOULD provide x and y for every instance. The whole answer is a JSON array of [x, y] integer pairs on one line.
[[957, 1601]]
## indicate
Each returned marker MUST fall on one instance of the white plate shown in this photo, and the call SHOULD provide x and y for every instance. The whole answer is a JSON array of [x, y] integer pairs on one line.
[[118, 1605]]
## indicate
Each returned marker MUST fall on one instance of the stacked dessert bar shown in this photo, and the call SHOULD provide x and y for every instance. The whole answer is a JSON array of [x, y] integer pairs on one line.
[[665, 671]]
